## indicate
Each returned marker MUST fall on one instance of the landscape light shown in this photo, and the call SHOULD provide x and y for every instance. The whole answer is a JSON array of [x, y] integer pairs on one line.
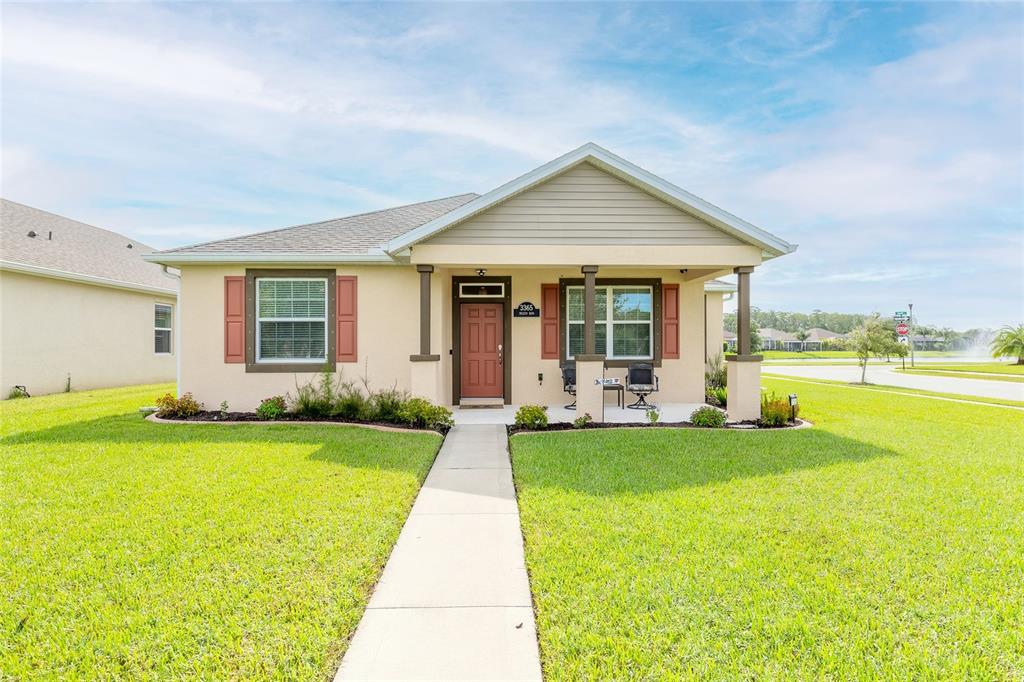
[[792, 407]]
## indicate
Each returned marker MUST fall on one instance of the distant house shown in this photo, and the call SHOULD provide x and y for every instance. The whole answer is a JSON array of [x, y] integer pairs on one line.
[[79, 307], [818, 337], [729, 339], [776, 339]]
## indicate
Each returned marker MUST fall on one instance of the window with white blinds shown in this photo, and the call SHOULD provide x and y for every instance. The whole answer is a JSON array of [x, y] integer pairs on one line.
[[291, 320], [623, 314], [162, 320]]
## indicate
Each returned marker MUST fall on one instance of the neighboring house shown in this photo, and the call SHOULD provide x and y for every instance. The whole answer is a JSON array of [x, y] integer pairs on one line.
[[716, 293], [79, 307], [776, 339], [587, 258], [729, 339], [818, 337]]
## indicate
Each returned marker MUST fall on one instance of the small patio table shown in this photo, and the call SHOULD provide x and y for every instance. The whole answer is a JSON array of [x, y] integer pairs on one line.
[[620, 395]]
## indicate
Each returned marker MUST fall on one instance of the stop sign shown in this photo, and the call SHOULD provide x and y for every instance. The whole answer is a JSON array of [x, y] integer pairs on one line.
[[902, 329]]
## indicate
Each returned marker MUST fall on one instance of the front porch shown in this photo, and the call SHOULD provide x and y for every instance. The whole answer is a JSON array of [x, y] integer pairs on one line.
[[668, 413]]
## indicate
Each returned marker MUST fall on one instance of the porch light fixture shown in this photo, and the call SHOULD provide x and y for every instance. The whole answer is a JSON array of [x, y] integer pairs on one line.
[[480, 272], [792, 407]]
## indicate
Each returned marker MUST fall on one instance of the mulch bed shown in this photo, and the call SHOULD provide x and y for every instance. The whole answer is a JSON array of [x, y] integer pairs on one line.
[[733, 426], [216, 416]]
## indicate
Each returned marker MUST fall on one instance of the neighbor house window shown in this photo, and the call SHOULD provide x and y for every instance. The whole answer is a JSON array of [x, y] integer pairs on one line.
[[291, 320], [162, 319], [623, 322]]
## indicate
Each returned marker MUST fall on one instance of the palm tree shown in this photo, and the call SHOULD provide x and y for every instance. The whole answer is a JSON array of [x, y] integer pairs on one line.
[[1009, 342]]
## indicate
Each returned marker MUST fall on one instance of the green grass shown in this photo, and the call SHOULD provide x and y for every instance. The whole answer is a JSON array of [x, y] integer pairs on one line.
[[886, 542], [979, 367], [883, 388], [132, 550], [962, 375], [837, 354]]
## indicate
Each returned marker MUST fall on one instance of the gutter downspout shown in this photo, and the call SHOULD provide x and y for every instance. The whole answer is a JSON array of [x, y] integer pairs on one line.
[[176, 320]]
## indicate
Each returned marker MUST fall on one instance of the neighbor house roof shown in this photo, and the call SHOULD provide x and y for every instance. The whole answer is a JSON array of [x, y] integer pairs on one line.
[[728, 335], [41, 243], [356, 237], [720, 286], [775, 334], [382, 236], [819, 334]]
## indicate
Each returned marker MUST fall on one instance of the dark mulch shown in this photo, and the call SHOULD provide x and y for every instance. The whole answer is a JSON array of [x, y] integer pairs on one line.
[[566, 426], [215, 416]]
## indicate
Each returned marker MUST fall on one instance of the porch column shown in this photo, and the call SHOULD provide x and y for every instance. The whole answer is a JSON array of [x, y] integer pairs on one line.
[[425, 377], [589, 365], [743, 369]]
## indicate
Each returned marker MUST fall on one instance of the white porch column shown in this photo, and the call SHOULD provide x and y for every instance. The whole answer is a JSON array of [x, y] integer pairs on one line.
[[589, 364], [743, 369]]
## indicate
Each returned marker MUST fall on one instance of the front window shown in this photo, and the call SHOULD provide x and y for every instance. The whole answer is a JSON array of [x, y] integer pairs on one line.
[[628, 322], [291, 320], [162, 319]]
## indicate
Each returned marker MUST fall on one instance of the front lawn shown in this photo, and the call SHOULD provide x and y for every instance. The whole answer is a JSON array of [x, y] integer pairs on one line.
[[836, 354], [133, 550], [885, 542]]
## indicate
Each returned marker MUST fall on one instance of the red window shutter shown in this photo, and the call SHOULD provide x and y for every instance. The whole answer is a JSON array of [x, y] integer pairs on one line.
[[670, 321], [234, 319], [549, 322], [345, 321]]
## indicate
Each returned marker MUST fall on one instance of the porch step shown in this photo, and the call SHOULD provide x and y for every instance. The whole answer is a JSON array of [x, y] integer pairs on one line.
[[479, 403]]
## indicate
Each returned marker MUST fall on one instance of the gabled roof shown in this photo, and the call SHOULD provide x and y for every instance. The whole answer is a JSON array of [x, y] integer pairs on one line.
[[775, 334], [617, 166], [62, 248], [817, 334], [352, 238]]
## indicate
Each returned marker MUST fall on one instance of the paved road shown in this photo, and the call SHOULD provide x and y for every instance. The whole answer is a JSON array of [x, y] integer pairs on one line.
[[886, 375]]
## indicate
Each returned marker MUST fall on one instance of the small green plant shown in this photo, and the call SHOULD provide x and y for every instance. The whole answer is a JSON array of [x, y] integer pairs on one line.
[[271, 408], [318, 398], [716, 375], [775, 411], [718, 396], [653, 416], [351, 405], [17, 392], [582, 421], [532, 417], [423, 414], [223, 409], [185, 406], [385, 406], [708, 417]]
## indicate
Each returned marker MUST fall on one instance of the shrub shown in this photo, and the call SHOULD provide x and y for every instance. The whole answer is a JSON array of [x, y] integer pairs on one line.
[[716, 396], [775, 411], [17, 392], [532, 417], [716, 375], [271, 408], [319, 397], [582, 421], [386, 406], [653, 416], [423, 414], [223, 409], [185, 406], [351, 405], [708, 417]]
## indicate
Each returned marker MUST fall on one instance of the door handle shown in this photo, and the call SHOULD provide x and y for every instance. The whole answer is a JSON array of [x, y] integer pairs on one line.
[[500, 354]]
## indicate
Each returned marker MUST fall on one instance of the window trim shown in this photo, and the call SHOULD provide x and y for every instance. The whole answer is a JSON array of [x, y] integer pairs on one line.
[[610, 322], [254, 365], [170, 342], [259, 320], [656, 318]]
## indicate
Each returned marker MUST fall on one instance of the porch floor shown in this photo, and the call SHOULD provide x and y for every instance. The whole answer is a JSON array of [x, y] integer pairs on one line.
[[670, 412]]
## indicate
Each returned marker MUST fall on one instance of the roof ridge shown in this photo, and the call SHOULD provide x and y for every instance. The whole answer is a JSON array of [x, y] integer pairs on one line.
[[64, 217], [317, 222]]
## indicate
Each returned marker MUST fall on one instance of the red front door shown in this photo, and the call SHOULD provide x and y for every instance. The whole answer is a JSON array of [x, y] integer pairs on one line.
[[482, 332]]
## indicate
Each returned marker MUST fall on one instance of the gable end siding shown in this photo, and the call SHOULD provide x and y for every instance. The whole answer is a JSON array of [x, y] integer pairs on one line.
[[585, 205]]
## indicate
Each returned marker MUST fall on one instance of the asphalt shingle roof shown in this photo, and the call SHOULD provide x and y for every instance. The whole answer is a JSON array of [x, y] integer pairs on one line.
[[351, 235], [70, 246]]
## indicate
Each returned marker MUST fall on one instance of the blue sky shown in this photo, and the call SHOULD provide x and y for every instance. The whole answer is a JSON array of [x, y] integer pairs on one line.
[[887, 140]]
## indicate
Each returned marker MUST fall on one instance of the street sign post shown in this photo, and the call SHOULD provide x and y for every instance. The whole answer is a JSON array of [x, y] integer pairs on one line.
[[902, 329]]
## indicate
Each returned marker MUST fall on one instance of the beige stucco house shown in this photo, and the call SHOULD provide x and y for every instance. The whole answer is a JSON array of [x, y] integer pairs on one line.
[[79, 307], [586, 259]]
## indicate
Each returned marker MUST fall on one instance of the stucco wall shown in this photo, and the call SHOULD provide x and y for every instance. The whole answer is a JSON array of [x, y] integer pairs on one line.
[[101, 336], [389, 334], [714, 316]]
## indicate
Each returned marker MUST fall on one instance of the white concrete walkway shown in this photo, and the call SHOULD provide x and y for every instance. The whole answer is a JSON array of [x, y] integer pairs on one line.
[[453, 602]]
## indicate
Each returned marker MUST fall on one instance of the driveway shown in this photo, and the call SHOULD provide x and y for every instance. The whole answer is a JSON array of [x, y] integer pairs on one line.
[[889, 377]]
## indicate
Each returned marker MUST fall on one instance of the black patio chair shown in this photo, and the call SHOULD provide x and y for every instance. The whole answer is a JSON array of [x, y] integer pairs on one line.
[[641, 382], [569, 383]]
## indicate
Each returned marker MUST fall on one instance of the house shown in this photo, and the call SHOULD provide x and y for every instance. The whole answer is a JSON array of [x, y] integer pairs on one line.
[[478, 298], [79, 307], [817, 338], [776, 339], [729, 339]]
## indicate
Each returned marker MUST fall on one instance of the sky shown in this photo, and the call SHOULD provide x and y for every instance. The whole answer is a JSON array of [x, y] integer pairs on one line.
[[887, 140]]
